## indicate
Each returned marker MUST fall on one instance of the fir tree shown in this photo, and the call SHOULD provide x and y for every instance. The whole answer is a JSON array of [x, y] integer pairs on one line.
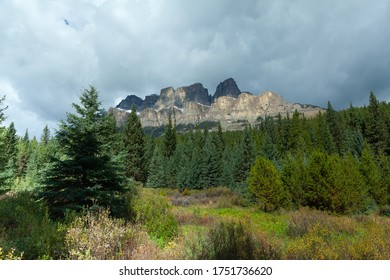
[[244, 157], [3, 157], [84, 176], [157, 170], [134, 145], [334, 122], [8, 174], [212, 163], [45, 137], [24, 152], [376, 130], [169, 139]]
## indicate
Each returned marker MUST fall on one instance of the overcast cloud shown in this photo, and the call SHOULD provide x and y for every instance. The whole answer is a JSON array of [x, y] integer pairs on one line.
[[307, 51]]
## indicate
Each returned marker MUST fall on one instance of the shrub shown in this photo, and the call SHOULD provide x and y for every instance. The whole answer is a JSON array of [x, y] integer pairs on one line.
[[154, 213], [27, 228], [96, 236], [9, 255], [230, 241]]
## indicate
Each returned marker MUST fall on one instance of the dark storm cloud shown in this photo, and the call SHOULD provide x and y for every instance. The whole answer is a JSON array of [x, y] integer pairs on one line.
[[307, 51]]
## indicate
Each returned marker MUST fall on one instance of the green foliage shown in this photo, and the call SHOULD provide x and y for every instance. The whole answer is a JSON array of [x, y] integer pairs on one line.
[[265, 184], [157, 170], [232, 241], [319, 181], [372, 177], [134, 145], [154, 213], [10, 255], [376, 131], [86, 175], [26, 227], [169, 139], [244, 157], [228, 241], [295, 178]]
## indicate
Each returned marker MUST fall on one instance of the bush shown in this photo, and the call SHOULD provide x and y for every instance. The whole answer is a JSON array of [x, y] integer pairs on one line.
[[96, 236], [26, 227], [232, 241], [9, 255], [154, 213]]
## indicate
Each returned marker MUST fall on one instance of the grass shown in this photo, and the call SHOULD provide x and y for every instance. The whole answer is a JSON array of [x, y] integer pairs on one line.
[[212, 224]]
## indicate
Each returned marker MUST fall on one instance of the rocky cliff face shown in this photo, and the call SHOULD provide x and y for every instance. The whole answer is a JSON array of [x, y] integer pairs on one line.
[[190, 105], [226, 88]]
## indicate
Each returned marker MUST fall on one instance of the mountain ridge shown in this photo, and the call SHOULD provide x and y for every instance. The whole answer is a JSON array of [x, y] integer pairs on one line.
[[193, 105]]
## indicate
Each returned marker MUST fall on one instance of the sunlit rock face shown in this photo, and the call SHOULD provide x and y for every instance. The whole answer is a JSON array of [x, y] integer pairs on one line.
[[193, 105]]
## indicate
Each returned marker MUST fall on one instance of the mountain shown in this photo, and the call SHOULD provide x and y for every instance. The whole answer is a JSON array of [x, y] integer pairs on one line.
[[192, 105], [226, 88]]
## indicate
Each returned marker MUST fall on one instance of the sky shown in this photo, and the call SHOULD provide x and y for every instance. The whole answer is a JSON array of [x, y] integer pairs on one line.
[[308, 51]]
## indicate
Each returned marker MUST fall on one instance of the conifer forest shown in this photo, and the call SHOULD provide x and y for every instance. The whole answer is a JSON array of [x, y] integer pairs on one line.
[[290, 188]]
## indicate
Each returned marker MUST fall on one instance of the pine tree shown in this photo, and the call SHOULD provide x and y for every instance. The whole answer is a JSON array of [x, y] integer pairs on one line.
[[319, 183], [84, 176], [157, 170], [269, 149], [295, 179], [3, 157], [169, 139], [212, 163], [265, 184], [8, 173], [334, 122], [348, 192], [295, 135], [45, 137], [24, 153], [134, 145], [324, 139], [376, 131], [372, 176], [244, 157]]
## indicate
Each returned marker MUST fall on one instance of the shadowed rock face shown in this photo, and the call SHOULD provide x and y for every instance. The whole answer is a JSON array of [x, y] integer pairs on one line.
[[227, 88], [229, 106]]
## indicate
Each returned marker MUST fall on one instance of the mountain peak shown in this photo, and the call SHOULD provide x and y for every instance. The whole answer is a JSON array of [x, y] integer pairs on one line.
[[227, 88], [192, 104]]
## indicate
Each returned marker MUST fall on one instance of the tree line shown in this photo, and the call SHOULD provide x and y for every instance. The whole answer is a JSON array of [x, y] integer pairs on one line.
[[338, 161]]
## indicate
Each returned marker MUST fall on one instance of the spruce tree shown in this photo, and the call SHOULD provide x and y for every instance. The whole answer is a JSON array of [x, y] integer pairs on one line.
[[244, 157], [3, 156], [24, 153], [212, 163], [134, 145], [334, 122], [169, 139], [157, 170], [84, 176], [376, 131], [45, 137], [8, 173]]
